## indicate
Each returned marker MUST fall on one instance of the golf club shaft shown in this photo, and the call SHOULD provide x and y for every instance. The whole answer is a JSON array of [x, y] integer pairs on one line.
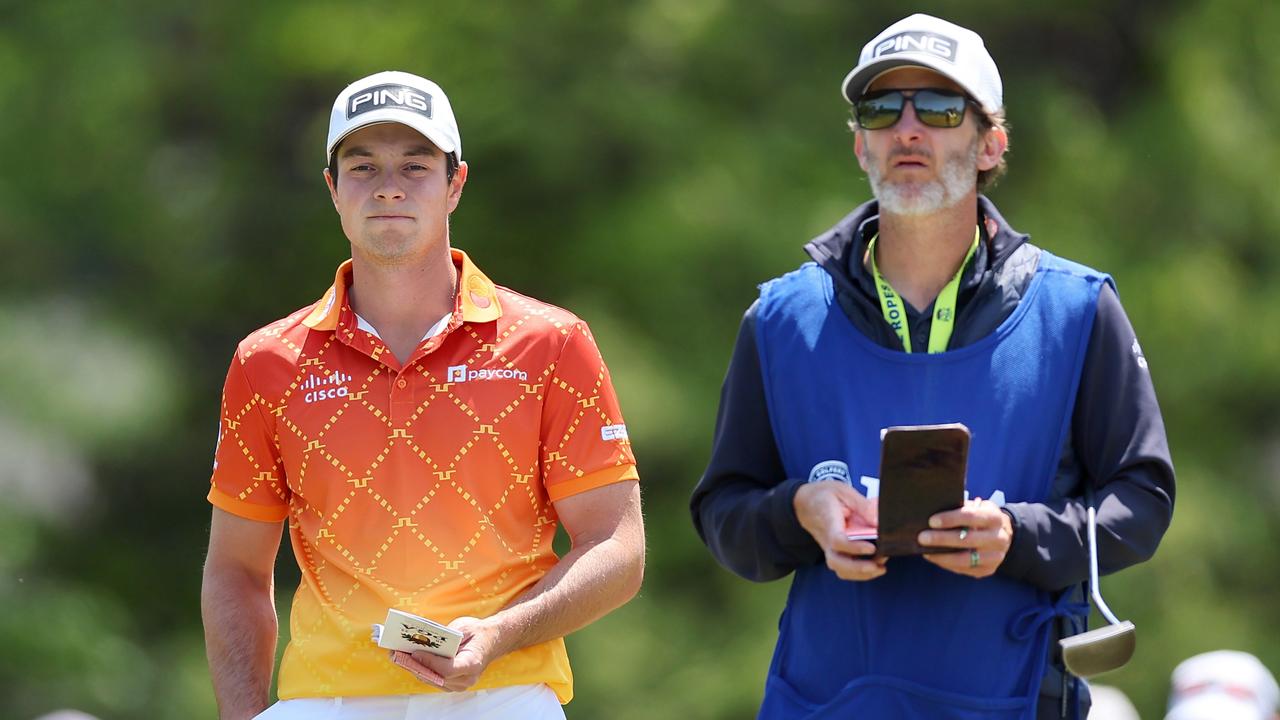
[[1095, 591]]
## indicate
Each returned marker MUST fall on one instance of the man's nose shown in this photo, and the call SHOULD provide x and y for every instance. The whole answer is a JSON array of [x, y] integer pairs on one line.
[[389, 189], [908, 128]]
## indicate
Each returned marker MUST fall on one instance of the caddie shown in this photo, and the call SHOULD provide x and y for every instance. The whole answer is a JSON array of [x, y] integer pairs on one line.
[[924, 306]]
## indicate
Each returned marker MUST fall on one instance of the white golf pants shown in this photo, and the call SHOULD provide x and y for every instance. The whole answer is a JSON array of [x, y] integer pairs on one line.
[[520, 702]]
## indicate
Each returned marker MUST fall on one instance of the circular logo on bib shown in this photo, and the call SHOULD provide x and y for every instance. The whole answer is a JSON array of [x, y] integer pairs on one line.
[[831, 470]]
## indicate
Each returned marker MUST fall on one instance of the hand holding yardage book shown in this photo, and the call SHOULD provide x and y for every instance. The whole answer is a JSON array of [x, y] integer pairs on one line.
[[922, 473], [410, 633]]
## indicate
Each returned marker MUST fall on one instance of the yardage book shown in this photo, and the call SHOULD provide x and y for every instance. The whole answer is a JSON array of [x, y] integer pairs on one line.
[[922, 472], [410, 633]]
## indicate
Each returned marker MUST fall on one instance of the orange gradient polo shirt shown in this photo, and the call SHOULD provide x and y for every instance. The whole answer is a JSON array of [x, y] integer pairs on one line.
[[427, 487]]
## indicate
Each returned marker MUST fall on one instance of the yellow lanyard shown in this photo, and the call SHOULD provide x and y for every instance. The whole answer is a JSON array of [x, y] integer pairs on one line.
[[944, 308]]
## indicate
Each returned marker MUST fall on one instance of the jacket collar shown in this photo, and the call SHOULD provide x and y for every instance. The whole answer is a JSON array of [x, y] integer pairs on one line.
[[847, 239]]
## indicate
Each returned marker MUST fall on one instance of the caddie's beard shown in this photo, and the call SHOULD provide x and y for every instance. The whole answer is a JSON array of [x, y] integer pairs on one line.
[[956, 179]]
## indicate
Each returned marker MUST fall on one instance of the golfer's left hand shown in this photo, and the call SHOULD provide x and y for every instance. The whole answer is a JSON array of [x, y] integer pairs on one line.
[[478, 648], [980, 527]]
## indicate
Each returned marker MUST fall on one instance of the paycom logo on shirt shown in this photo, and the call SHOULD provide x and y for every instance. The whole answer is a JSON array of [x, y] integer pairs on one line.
[[461, 373]]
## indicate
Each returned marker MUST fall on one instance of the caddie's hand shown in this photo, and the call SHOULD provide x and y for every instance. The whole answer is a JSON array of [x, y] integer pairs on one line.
[[479, 647], [980, 527], [826, 510]]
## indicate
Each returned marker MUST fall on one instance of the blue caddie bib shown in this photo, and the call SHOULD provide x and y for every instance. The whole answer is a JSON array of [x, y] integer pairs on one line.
[[920, 642]]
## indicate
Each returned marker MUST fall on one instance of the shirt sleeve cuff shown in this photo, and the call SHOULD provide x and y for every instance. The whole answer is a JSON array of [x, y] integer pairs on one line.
[[250, 511], [1022, 549], [787, 529], [591, 481]]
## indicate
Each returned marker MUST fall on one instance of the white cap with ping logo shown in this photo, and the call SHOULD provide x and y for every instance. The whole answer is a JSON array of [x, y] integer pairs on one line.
[[395, 97], [926, 41]]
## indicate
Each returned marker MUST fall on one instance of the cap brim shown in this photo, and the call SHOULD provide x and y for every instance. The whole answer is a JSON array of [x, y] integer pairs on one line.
[[428, 129], [860, 77]]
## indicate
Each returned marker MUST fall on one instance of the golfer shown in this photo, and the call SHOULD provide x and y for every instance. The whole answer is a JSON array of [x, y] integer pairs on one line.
[[423, 431]]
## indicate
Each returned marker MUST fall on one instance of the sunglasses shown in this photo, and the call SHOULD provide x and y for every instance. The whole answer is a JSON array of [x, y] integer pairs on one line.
[[935, 108]]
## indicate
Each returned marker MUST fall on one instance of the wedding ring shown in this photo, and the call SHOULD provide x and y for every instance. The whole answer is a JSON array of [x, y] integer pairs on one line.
[[964, 533], [973, 558]]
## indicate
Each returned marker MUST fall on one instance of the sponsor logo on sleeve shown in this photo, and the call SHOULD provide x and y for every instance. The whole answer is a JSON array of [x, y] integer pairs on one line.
[[613, 432], [216, 446], [1137, 354]]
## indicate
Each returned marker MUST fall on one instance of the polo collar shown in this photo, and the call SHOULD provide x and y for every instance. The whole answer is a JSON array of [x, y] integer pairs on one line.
[[476, 296]]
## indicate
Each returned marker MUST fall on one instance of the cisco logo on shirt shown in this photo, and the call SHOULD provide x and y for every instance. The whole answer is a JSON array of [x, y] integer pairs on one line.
[[319, 387], [460, 373]]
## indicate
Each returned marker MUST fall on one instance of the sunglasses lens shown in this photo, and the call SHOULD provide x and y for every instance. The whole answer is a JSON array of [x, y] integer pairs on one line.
[[939, 109], [877, 113]]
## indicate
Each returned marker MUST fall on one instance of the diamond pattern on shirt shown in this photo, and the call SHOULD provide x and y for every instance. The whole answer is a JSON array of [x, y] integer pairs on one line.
[[406, 488]]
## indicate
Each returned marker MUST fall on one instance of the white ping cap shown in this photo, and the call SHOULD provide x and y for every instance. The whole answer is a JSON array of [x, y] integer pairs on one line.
[[930, 42], [395, 97]]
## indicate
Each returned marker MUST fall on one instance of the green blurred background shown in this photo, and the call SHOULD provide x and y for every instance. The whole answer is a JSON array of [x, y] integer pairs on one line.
[[645, 164]]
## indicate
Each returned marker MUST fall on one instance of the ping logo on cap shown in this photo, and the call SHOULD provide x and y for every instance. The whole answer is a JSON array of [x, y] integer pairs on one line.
[[389, 96], [917, 41]]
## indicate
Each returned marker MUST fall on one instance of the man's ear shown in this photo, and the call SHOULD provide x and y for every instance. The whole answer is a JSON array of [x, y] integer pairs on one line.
[[859, 150], [333, 188], [994, 144], [455, 186]]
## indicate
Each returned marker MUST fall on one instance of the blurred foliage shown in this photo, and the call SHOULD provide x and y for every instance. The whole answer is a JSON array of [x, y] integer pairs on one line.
[[645, 164]]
